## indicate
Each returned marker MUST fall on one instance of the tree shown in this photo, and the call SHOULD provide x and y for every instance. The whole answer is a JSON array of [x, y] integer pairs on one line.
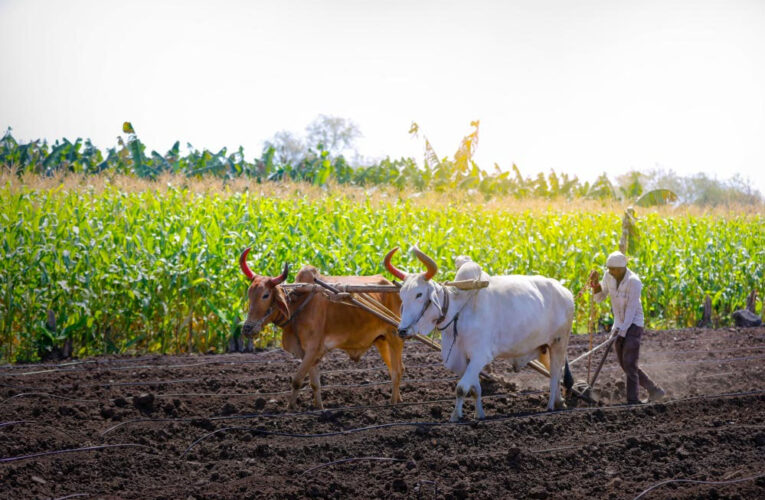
[[335, 134], [631, 184], [288, 148], [601, 188]]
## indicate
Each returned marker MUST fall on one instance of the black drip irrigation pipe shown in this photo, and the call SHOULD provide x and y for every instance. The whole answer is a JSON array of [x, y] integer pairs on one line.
[[227, 394], [124, 366], [304, 388], [354, 459], [34, 423], [75, 495], [308, 412], [260, 377], [101, 364], [146, 357], [15, 422], [641, 435], [73, 450], [261, 431], [575, 341], [295, 362], [370, 384], [501, 453], [249, 379], [48, 395], [149, 382], [698, 481], [98, 367]]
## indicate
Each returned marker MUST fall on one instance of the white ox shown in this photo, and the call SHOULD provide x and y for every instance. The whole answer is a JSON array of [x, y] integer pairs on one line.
[[515, 317]]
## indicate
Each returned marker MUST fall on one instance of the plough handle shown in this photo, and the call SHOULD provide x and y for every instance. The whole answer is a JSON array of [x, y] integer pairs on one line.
[[602, 360], [590, 352]]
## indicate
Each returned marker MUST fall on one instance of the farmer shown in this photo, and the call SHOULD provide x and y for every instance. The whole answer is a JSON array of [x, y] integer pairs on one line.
[[625, 287]]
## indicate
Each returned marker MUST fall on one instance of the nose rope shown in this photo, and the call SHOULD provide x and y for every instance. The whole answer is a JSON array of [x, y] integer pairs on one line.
[[425, 308], [258, 324], [427, 304], [454, 320]]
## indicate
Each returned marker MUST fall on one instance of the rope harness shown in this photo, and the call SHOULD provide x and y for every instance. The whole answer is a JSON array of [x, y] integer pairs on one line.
[[442, 317], [298, 310], [419, 317], [257, 325]]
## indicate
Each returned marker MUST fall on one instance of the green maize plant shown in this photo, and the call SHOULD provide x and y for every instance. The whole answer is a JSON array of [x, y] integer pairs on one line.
[[156, 270]]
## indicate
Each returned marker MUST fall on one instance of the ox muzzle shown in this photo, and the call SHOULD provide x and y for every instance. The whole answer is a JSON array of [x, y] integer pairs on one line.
[[252, 328], [405, 333]]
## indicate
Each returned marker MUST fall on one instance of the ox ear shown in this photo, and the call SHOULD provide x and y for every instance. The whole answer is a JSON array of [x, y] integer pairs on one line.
[[436, 301], [280, 301]]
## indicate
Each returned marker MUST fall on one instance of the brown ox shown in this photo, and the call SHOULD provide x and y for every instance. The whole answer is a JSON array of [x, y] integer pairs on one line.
[[312, 324]]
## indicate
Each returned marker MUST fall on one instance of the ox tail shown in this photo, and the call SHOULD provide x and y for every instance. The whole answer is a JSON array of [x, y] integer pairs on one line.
[[568, 379]]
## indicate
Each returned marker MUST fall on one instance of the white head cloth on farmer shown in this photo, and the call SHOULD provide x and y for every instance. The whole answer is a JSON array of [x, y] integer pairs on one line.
[[616, 259]]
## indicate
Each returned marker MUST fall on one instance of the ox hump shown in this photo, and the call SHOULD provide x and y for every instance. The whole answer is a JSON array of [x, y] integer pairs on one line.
[[307, 274], [470, 271]]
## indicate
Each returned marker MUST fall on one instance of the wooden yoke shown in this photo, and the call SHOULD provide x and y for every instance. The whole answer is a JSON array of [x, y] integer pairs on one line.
[[357, 296]]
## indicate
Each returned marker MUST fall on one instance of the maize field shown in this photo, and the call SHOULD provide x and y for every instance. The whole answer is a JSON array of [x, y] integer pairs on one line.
[[155, 270]]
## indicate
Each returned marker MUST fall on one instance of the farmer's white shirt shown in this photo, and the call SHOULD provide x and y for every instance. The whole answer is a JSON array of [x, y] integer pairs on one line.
[[625, 300]]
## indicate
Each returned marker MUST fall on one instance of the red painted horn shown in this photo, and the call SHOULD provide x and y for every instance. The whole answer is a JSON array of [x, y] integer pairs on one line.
[[243, 264], [281, 277], [430, 264], [391, 268]]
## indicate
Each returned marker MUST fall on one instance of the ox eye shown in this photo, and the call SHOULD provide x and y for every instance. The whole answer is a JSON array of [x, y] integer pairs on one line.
[[418, 295], [265, 296]]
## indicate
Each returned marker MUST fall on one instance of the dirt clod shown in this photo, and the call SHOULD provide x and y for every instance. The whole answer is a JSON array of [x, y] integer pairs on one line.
[[144, 402], [519, 451], [228, 409]]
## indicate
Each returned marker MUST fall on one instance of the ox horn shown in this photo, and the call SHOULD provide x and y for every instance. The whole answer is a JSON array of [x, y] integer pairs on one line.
[[243, 264], [281, 277], [390, 267], [430, 264]]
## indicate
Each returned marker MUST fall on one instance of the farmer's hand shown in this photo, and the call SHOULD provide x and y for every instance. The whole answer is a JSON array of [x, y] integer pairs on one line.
[[594, 279]]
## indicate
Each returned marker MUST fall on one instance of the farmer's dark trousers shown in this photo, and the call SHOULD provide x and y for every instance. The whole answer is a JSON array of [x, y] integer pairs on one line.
[[628, 351]]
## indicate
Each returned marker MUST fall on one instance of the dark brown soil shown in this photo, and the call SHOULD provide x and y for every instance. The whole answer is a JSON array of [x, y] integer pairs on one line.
[[216, 427]]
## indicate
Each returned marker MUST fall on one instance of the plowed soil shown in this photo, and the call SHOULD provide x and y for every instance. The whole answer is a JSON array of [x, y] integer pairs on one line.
[[217, 426]]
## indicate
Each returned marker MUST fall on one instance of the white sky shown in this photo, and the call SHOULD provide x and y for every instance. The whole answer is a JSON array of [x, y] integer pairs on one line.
[[582, 87]]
